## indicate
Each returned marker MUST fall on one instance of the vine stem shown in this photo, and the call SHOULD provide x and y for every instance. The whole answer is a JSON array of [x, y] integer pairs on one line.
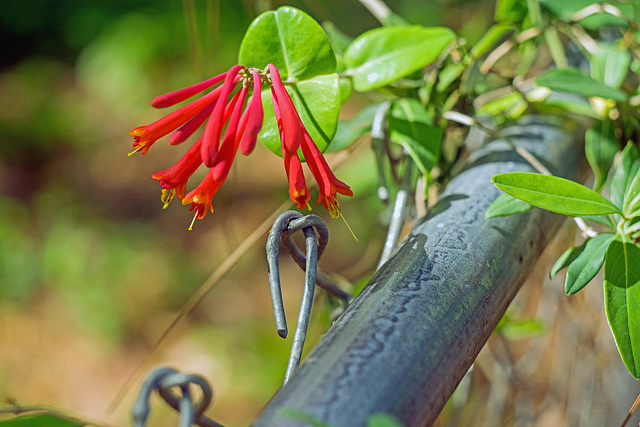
[[523, 152], [378, 9], [631, 411]]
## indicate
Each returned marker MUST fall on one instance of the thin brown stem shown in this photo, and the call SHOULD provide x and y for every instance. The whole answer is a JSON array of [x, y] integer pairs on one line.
[[631, 411]]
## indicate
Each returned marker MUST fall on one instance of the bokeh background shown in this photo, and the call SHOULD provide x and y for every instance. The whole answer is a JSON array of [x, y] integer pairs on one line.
[[92, 270]]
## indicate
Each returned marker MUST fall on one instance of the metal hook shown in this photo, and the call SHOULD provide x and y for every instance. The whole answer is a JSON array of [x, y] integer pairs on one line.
[[163, 380], [284, 226]]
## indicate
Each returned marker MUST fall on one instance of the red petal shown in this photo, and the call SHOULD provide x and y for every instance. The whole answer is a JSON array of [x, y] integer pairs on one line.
[[291, 132], [224, 158], [188, 129], [172, 98], [179, 173], [214, 127], [254, 117], [297, 186]]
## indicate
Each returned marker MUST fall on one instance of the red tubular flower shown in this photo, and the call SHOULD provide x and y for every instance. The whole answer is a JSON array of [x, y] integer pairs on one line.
[[251, 121], [226, 106], [291, 132], [172, 98], [174, 180], [229, 147], [328, 184], [202, 196], [298, 191], [145, 136], [213, 129]]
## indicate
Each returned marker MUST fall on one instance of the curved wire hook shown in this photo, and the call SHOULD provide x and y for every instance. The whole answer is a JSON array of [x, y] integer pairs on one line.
[[284, 226], [163, 380]]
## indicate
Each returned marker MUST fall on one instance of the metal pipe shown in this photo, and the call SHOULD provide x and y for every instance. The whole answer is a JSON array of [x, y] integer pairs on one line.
[[407, 340]]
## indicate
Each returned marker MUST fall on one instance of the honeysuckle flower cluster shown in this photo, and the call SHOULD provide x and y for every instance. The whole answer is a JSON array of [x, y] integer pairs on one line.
[[217, 149]]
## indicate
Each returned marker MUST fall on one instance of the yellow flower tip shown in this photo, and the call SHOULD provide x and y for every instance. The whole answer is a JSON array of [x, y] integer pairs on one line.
[[193, 221], [350, 230], [167, 196], [137, 148]]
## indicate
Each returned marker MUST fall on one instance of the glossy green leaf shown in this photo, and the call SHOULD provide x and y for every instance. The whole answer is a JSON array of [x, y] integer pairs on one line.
[[318, 103], [566, 9], [587, 264], [624, 173], [354, 128], [40, 420], [632, 196], [566, 259], [622, 299], [411, 126], [600, 147], [493, 35], [610, 64], [292, 41], [296, 44], [574, 81], [381, 419], [383, 55], [554, 194], [506, 205]]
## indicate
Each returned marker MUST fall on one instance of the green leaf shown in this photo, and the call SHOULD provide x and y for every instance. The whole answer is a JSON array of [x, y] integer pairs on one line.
[[507, 107], [556, 48], [574, 81], [622, 299], [610, 64], [381, 419], [632, 196], [493, 35], [296, 44], [384, 55], [601, 146], [604, 220], [411, 126], [318, 103], [565, 10], [354, 128], [506, 205], [624, 173], [566, 259], [554, 194], [448, 75], [40, 420], [563, 105], [292, 41], [587, 263]]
